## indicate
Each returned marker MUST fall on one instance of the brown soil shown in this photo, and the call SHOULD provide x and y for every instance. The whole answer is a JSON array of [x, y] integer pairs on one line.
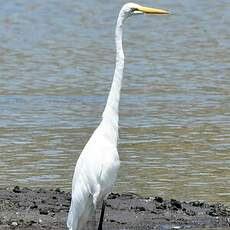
[[24, 208]]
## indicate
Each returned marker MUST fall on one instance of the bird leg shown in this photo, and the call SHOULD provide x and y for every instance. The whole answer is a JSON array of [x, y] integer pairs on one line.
[[102, 216]]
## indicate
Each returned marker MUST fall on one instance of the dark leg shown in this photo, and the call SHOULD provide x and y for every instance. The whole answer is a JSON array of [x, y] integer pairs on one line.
[[102, 216]]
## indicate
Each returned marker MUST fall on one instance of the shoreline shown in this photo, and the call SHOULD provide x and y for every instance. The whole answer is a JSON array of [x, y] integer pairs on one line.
[[40, 208]]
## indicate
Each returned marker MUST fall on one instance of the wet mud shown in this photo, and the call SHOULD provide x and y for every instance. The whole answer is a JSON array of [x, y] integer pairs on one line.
[[25, 208]]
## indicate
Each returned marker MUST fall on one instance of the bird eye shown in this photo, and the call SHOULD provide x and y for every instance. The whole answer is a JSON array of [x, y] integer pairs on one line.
[[133, 9]]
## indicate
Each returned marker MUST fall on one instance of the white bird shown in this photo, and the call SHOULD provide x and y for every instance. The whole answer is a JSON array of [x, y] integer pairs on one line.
[[97, 167]]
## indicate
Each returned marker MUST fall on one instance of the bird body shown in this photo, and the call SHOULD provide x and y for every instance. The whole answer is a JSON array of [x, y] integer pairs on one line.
[[97, 166], [94, 176]]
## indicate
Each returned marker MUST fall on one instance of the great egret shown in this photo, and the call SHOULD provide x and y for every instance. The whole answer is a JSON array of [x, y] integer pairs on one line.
[[97, 166]]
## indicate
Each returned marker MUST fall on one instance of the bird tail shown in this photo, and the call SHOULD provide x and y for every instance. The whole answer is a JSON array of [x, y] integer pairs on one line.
[[73, 219], [70, 218], [79, 214]]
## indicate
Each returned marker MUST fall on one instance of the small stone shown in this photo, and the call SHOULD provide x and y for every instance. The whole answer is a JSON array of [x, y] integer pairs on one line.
[[16, 189], [190, 213], [41, 190], [33, 206], [57, 190], [158, 199], [141, 209], [154, 212], [14, 223], [31, 222], [43, 211], [161, 206], [176, 227], [197, 203], [113, 196], [212, 212], [176, 203]]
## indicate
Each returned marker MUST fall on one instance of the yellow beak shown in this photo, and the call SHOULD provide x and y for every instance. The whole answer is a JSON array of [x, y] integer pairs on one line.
[[149, 10]]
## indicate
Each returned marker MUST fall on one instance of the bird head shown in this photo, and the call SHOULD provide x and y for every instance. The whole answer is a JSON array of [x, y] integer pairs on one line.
[[130, 9]]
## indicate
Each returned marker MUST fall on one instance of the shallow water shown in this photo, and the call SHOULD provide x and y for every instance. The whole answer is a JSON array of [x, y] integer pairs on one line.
[[56, 67]]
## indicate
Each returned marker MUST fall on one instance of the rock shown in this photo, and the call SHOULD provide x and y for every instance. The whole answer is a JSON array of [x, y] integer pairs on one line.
[[43, 211], [14, 224], [139, 208], [212, 212], [31, 222], [190, 212], [33, 206], [113, 195], [161, 206], [176, 203], [57, 190], [41, 190], [16, 189], [158, 199], [197, 203]]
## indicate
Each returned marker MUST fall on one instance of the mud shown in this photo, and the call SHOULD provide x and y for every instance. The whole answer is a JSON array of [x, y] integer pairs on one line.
[[25, 208]]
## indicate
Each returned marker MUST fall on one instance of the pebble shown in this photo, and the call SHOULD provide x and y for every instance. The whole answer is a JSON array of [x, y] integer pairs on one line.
[[41, 190], [190, 213], [140, 208], [176, 227], [197, 203], [176, 203], [161, 206], [33, 206], [212, 212], [113, 195], [57, 190], [16, 189], [43, 211], [158, 199], [14, 223], [31, 222]]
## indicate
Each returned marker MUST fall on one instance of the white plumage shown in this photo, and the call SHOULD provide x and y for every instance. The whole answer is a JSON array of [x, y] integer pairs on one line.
[[96, 169], [94, 176]]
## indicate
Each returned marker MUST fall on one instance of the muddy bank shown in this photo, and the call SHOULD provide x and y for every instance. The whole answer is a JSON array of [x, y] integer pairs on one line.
[[24, 208]]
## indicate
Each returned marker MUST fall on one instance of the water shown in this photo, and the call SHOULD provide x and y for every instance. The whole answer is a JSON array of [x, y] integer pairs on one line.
[[56, 66]]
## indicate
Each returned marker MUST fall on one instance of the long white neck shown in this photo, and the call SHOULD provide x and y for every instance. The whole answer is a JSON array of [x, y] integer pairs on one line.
[[110, 114]]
